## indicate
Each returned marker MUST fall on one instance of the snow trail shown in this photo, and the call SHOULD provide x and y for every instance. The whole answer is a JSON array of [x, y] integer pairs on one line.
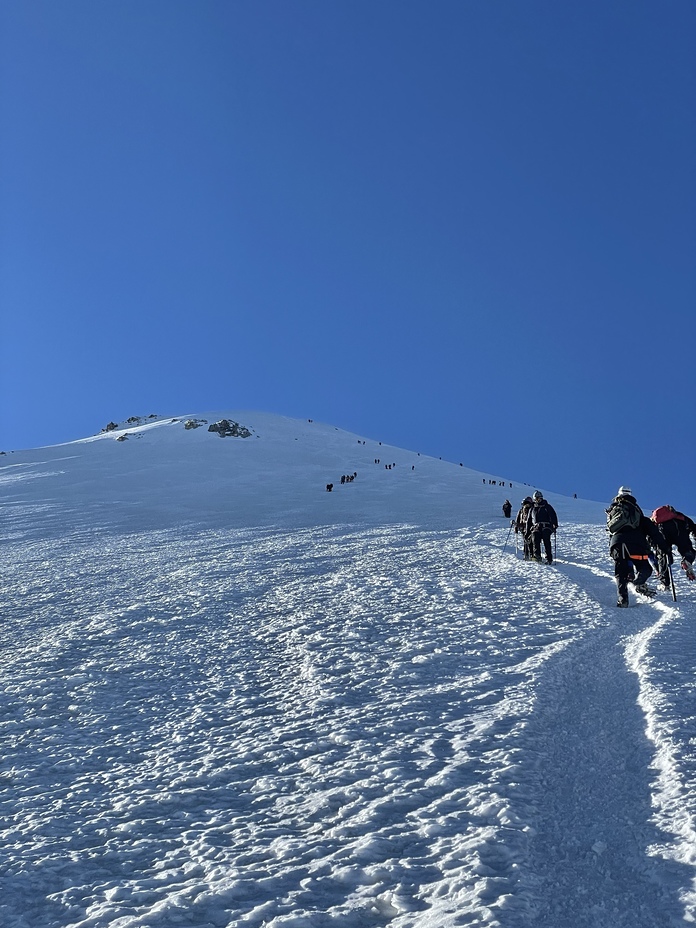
[[589, 860]]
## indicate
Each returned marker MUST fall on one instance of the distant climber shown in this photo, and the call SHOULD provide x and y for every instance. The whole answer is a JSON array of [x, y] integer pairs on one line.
[[507, 508]]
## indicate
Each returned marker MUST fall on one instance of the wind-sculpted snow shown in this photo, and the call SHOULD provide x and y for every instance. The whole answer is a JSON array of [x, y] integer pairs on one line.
[[344, 724], [288, 728]]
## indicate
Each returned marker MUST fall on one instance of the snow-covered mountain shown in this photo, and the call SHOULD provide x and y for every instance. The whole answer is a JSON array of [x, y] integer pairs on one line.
[[232, 698], [152, 472]]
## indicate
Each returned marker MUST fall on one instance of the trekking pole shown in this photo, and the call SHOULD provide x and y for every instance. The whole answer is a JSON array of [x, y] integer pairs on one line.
[[671, 582], [554, 543], [508, 536]]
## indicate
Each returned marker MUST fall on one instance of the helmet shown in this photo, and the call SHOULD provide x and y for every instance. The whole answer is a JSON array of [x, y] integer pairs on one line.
[[527, 499], [625, 491], [538, 494]]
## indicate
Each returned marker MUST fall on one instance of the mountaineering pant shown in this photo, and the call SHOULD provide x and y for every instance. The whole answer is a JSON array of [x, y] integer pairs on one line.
[[526, 539], [687, 552], [527, 545], [633, 567], [539, 536]]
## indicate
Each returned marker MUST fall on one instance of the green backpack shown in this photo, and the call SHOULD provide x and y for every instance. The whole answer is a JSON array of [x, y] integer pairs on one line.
[[623, 515]]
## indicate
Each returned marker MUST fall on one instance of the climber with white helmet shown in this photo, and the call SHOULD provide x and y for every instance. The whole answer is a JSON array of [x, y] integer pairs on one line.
[[629, 532], [542, 523]]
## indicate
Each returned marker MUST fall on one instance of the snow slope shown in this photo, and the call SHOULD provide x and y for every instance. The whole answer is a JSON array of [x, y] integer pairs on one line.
[[230, 698]]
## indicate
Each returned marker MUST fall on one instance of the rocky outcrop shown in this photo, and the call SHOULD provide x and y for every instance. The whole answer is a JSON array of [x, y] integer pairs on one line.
[[138, 420], [225, 428], [133, 420], [228, 429]]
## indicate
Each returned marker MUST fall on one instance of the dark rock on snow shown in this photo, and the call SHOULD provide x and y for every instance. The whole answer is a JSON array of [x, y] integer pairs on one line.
[[227, 429]]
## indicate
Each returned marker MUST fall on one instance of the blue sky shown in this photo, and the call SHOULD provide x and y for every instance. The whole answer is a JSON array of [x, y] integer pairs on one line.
[[466, 228]]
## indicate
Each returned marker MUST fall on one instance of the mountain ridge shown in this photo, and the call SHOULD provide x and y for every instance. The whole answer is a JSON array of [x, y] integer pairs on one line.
[[281, 470]]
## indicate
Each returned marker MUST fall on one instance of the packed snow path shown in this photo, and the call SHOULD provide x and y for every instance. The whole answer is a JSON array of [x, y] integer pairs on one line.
[[355, 726]]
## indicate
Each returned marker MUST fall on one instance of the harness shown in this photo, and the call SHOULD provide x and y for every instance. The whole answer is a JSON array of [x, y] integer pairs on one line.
[[633, 557]]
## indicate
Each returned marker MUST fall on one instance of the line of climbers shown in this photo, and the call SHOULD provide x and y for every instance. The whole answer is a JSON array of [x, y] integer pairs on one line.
[[636, 543], [536, 522]]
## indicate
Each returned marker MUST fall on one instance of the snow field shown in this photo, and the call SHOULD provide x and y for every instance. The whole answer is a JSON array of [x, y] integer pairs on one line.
[[327, 721], [322, 730]]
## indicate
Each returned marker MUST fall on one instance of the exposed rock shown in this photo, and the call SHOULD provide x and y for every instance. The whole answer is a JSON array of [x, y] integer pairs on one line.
[[132, 420], [122, 438], [227, 429], [195, 423]]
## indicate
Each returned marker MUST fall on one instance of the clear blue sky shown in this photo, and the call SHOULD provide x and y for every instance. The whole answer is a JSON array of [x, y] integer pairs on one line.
[[463, 227]]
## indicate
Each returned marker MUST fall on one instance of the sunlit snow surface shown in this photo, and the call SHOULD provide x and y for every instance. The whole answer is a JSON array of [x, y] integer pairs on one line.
[[230, 698]]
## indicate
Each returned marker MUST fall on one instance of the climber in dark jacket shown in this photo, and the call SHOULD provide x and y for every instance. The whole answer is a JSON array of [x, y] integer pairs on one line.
[[629, 545], [521, 526], [542, 522], [676, 529]]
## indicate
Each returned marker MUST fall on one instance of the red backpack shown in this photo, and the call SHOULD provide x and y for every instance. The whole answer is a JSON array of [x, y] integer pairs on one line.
[[665, 513]]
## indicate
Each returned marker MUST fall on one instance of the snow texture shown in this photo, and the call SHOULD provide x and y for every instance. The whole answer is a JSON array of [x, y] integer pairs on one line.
[[232, 698]]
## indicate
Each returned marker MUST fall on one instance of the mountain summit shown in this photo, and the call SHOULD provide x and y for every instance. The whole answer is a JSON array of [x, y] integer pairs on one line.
[[274, 470]]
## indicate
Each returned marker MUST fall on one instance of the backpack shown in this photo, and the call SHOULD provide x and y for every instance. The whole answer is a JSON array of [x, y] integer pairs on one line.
[[623, 515], [665, 514], [541, 514]]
